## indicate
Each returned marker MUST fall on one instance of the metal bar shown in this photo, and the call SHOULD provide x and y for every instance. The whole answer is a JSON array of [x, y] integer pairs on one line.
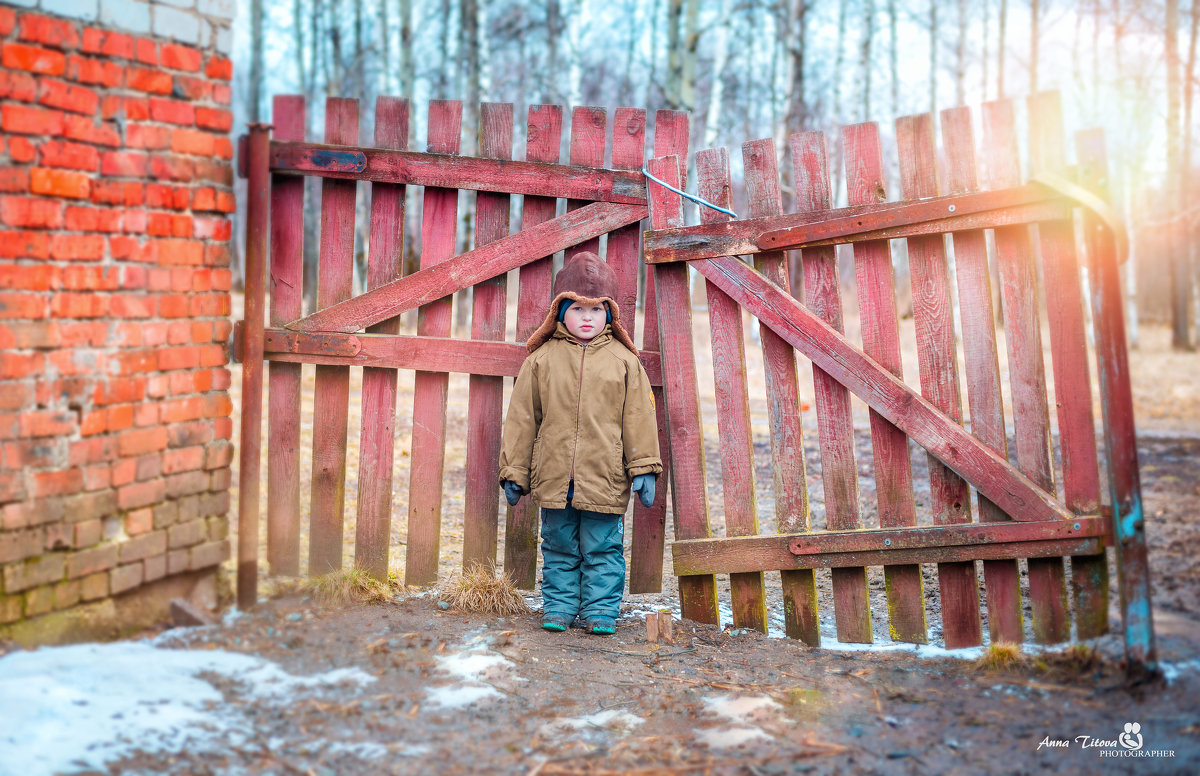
[[249, 477]]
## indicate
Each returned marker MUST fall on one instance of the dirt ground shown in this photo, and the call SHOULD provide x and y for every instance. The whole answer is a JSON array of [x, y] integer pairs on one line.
[[719, 700]]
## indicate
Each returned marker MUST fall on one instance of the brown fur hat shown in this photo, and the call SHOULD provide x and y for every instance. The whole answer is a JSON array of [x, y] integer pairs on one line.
[[585, 277]]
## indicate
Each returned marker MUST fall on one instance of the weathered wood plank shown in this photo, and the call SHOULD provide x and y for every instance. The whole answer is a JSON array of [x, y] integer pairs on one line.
[[283, 380], [485, 403], [883, 392], [858, 223], [789, 478], [835, 422], [250, 455], [698, 594], [587, 149], [533, 177], [1120, 437], [1027, 373], [542, 140], [732, 556], [443, 278], [985, 401], [439, 224], [937, 357], [335, 275], [733, 403], [1072, 375], [385, 263], [881, 341], [429, 354]]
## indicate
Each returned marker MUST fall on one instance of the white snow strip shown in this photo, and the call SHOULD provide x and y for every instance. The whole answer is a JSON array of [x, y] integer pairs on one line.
[[609, 718], [67, 709], [473, 666], [456, 696], [1172, 671], [729, 737], [741, 708]]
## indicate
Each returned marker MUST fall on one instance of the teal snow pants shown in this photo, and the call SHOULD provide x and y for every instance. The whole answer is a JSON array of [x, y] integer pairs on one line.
[[583, 565]]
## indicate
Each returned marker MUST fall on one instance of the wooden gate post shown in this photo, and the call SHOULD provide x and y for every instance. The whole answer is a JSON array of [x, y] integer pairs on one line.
[[257, 220], [1116, 404]]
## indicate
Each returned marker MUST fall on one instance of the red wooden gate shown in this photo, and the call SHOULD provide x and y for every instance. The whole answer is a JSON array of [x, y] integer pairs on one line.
[[1020, 514]]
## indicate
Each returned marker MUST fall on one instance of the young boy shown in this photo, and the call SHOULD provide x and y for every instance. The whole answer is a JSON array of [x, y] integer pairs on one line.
[[580, 433]]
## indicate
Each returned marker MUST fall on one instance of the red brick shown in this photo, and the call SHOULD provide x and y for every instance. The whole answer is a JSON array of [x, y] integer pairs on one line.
[[68, 305], [212, 228], [119, 390], [150, 80], [108, 43], [73, 247], [21, 150], [30, 121], [180, 252], [214, 118], [47, 423], [59, 183], [78, 363], [219, 68], [75, 156], [190, 141], [142, 441], [94, 71], [159, 225], [172, 111], [14, 366], [8, 20], [33, 59], [223, 148], [91, 561], [97, 477], [139, 521], [201, 331], [147, 51], [22, 306], [178, 358], [90, 131], [124, 164], [41, 278], [134, 222], [181, 225], [140, 494], [31, 335], [133, 277], [147, 136], [195, 89], [16, 85], [127, 193], [49, 32], [225, 202], [62, 483], [39, 454], [222, 94], [146, 415], [82, 334], [14, 180], [119, 106], [178, 57], [90, 278], [214, 171], [218, 405], [77, 99], [128, 362], [205, 198], [132, 306], [123, 472], [174, 168], [92, 423], [93, 219], [31, 213]]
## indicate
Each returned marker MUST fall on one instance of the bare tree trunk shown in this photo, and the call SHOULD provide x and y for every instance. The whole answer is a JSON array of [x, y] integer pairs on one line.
[[442, 85], [986, 34], [554, 28], [633, 33], [1000, 50], [468, 36], [1181, 276], [651, 82], [407, 68], [256, 61], [933, 44], [865, 56], [960, 56], [837, 62], [894, 56], [716, 94], [674, 85], [689, 52], [385, 49], [336, 83], [1035, 10], [795, 36]]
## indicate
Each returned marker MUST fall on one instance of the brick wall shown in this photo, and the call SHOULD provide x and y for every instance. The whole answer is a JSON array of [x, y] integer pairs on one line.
[[115, 203]]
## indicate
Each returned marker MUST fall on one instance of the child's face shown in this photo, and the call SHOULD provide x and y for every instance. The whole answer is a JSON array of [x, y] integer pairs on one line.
[[585, 321]]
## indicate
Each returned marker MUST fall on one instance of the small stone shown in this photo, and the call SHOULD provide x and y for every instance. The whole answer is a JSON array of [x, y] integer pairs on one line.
[[295, 617], [443, 605]]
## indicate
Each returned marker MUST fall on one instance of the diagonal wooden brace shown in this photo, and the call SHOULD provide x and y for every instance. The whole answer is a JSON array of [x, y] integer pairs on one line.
[[467, 269], [945, 439]]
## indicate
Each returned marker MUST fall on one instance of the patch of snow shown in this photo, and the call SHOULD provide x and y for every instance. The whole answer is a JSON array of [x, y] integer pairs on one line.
[[364, 750], [1172, 671], [609, 718], [741, 708], [473, 666], [74, 708], [729, 737], [456, 696]]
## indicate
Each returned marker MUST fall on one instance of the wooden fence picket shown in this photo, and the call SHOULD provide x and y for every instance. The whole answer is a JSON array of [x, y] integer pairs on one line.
[[588, 132], [335, 280], [881, 341]]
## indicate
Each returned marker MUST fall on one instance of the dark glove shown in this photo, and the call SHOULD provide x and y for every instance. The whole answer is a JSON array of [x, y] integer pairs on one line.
[[513, 492], [643, 485]]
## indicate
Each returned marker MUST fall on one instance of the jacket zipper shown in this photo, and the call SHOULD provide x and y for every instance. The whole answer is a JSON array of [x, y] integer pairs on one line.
[[578, 408]]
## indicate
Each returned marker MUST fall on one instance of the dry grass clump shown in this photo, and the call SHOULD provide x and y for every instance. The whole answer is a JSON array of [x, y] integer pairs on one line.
[[353, 586], [1000, 656], [1075, 660], [483, 589]]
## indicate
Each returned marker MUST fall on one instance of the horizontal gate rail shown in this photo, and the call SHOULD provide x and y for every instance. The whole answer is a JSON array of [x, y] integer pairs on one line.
[[1027, 204]]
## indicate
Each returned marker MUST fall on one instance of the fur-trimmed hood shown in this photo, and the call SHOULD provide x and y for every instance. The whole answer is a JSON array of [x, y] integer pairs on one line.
[[586, 278]]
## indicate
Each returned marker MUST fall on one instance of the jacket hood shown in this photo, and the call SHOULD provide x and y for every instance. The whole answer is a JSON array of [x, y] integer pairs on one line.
[[586, 278]]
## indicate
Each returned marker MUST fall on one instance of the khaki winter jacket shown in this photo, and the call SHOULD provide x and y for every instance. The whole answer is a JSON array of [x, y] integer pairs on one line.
[[600, 430]]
